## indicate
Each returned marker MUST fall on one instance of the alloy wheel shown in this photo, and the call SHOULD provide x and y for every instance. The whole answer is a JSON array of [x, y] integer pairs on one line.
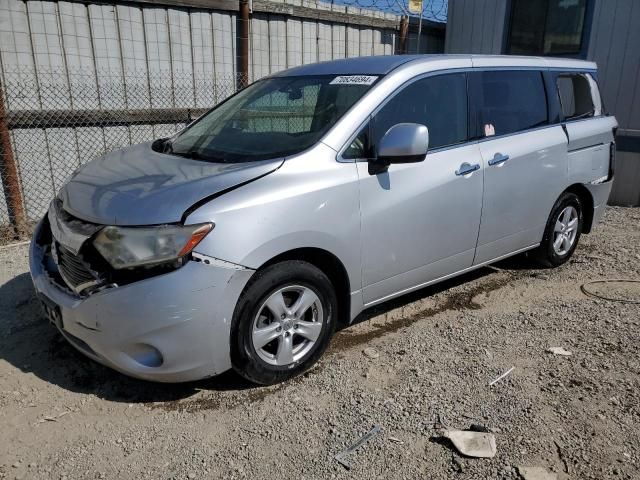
[[287, 325], [565, 230]]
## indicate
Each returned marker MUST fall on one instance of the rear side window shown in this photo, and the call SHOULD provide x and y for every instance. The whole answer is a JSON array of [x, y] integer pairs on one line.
[[439, 102], [575, 96], [510, 101]]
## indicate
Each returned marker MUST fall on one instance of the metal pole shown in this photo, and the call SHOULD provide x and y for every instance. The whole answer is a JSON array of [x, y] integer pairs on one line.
[[9, 174], [243, 77], [404, 28], [419, 32]]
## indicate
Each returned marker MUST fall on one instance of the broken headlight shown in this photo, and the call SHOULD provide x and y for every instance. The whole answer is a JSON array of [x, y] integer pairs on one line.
[[125, 247]]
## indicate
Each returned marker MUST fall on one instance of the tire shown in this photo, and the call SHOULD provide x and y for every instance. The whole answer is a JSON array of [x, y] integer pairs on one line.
[[294, 341], [549, 254]]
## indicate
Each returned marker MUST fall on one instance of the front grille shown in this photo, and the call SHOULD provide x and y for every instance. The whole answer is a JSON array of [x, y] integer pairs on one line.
[[74, 271]]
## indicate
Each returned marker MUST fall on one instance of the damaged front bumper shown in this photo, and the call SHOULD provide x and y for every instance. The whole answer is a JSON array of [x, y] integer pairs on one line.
[[173, 327]]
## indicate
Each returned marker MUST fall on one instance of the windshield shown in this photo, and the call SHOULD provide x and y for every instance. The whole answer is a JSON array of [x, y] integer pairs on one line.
[[272, 118]]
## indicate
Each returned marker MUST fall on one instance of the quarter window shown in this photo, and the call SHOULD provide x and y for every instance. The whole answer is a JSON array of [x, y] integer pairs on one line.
[[510, 101], [575, 96], [439, 102], [359, 147]]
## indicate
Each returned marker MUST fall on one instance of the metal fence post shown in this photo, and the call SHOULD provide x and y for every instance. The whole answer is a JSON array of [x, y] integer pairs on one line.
[[9, 174], [404, 29], [243, 77]]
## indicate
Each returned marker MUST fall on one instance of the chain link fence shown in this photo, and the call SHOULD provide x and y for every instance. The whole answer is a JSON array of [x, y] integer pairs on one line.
[[79, 80], [56, 121]]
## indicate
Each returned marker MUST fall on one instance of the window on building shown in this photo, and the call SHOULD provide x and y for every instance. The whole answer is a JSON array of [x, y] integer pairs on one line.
[[510, 101], [575, 96], [546, 27]]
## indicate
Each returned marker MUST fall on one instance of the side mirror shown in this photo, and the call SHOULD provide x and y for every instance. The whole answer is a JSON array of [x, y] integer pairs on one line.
[[403, 143]]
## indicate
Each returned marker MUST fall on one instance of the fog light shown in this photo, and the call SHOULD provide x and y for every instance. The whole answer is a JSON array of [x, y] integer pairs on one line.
[[146, 355]]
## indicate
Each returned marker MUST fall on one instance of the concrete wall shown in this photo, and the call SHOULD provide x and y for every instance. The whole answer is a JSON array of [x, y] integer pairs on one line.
[[478, 26]]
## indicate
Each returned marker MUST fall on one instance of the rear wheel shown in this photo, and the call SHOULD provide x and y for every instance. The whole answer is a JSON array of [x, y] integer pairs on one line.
[[283, 322], [562, 232]]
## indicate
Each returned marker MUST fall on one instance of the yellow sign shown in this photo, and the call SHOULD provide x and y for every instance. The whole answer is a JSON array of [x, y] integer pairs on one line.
[[415, 6]]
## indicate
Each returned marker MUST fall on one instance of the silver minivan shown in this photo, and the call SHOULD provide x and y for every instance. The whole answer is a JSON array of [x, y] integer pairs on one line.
[[313, 194]]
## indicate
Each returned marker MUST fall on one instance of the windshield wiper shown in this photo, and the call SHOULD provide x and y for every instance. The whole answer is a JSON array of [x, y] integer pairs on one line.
[[165, 145], [195, 155], [191, 154]]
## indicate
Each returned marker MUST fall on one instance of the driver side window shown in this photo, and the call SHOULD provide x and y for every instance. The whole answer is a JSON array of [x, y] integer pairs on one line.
[[439, 102]]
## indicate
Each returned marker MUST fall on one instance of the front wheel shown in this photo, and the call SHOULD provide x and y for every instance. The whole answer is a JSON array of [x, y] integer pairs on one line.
[[283, 322], [562, 232]]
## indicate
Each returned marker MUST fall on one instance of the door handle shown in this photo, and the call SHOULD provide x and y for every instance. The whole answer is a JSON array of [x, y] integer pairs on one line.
[[498, 159], [467, 168]]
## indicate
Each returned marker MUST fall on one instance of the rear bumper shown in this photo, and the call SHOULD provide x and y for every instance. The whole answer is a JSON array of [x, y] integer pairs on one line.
[[169, 328], [600, 193]]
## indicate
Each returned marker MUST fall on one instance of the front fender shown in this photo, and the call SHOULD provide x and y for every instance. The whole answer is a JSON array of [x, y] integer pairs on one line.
[[312, 201]]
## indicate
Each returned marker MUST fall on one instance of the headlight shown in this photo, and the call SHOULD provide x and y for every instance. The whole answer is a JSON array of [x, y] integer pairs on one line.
[[126, 247]]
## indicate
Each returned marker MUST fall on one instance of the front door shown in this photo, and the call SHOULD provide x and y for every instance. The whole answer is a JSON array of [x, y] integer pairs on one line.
[[420, 221]]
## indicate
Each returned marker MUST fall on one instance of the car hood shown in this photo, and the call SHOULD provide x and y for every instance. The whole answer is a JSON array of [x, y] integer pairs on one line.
[[138, 186]]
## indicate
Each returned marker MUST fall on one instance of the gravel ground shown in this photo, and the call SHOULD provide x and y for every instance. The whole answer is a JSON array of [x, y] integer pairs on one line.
[[428, 356]]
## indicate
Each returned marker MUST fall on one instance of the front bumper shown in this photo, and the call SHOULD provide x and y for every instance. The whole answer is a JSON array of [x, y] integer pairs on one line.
[[169, 328]]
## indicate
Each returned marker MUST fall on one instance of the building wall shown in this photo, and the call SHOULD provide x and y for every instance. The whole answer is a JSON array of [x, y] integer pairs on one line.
[[614, 44], [475, 26], [478, 26]]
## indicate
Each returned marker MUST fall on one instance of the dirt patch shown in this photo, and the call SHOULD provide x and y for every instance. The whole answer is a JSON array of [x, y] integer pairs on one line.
[[246, 394], [436, 350], [462, 300]]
